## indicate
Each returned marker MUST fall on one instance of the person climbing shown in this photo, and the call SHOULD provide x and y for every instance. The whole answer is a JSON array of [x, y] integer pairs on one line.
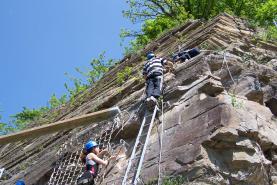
[[92, 158], [185, 55], [153, 73]]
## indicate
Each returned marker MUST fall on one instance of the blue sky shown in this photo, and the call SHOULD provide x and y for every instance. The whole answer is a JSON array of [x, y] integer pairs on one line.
[[41, 40]]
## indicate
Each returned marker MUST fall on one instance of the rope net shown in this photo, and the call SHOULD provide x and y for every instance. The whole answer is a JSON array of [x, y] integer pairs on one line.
[[69, 166]]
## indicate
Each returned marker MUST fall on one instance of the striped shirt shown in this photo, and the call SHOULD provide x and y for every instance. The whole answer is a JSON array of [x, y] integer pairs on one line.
[[154, 66]]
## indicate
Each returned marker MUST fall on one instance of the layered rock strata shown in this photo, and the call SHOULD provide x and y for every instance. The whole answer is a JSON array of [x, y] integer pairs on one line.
[[219, 112]]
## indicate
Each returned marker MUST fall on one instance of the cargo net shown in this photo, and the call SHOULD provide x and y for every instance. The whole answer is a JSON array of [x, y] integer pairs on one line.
[[69, 166]]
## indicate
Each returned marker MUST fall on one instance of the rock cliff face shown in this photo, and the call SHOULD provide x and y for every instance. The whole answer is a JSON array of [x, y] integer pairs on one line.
[[219, 114]]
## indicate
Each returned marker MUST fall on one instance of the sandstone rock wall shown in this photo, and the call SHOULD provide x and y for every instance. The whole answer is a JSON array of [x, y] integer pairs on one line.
[[219, 112]]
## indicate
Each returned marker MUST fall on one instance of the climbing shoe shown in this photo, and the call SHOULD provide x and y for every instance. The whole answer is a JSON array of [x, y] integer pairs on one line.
[[151, 102]]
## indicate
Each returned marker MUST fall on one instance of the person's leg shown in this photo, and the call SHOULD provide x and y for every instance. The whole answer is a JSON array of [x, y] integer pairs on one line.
[[149, 87], [194, 52], [92, 182], [157, 86]]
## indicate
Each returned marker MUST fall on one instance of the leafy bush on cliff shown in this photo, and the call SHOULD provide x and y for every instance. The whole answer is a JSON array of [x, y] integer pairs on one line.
[[98, 67], [123, 75], [160, 15]]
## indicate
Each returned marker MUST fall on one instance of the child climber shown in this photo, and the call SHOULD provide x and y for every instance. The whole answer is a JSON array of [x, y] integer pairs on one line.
[[91, 156], [153, 73]]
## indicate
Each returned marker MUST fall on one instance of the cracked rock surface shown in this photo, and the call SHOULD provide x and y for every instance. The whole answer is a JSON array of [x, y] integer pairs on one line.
[[219, 115]]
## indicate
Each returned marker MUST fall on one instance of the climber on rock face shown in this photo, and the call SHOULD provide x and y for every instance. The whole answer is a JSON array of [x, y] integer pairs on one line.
[[92, 157], [153, 73], [185, 55]]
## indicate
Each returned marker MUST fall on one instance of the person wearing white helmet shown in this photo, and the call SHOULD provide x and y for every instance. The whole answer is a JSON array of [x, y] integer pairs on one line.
[[92, 157]]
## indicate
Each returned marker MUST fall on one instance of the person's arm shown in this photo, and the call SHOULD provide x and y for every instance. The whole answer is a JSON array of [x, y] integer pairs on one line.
[[99, 160], [144, 73], [169, 64], [163, 61], [102, 153]]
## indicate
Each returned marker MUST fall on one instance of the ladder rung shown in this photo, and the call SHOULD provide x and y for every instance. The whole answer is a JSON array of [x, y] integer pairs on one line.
[[137, 157], [131, 176], [133, 172], [143, 135], [139, 144], [149, 115], [146, 124]]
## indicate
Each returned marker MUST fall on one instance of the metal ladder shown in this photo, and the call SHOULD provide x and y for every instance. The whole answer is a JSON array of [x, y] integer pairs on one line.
[[135, 162]]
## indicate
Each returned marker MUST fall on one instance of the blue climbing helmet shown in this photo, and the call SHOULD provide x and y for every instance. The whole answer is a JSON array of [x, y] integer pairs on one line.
[[90, 144], [150, 55], [20, 182]]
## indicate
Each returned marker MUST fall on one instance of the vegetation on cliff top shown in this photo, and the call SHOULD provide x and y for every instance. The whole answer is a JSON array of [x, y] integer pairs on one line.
[[156, 16], [160, 15]]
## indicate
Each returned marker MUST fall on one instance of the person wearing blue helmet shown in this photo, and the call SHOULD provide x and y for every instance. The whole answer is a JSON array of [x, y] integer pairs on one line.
[[20, 182], [153, 71], [150, 55], [92, 158]]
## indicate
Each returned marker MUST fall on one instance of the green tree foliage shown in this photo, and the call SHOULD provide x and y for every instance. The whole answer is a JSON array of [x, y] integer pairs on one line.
[[21, 119], [150, 30], [267, 13], [267, 17], [141, 10], [79, 86], [56, 102], [2, 126], [160, 15], [123, 75], [98, 67], [5, 128]]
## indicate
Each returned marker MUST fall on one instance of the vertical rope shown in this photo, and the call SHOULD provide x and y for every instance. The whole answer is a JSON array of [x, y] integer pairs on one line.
[[161, 138], [226, 62], [161, 146]]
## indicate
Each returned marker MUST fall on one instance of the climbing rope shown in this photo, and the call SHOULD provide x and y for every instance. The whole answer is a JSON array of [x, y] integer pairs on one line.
[[227, 66], [130, 117], [161, 136], [1, 172], [161, 146]]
